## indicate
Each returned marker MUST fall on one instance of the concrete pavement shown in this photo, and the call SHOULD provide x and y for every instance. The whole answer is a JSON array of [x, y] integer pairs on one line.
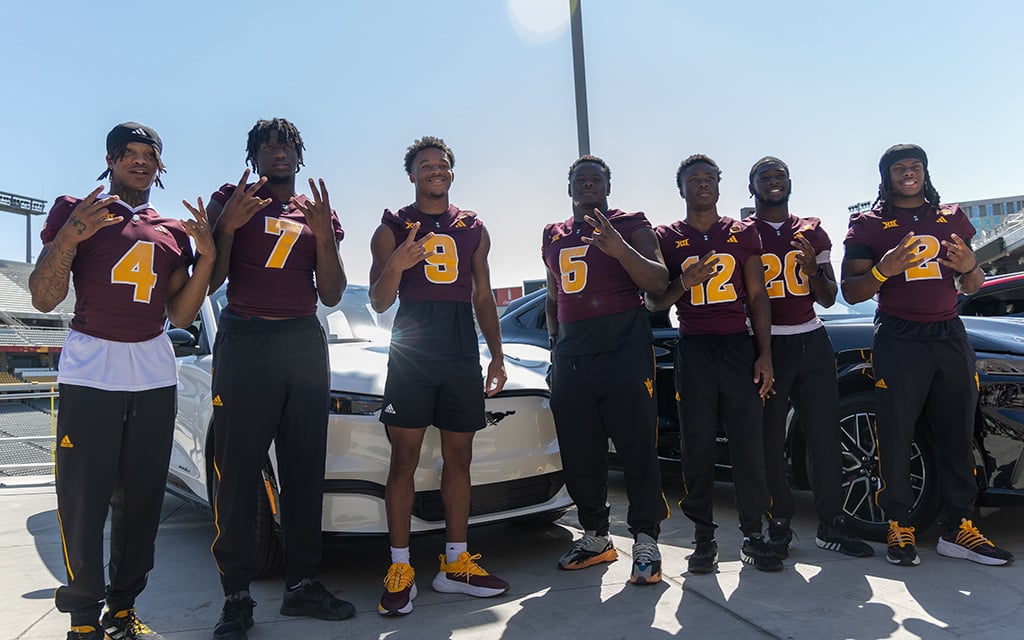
[[819, 595]]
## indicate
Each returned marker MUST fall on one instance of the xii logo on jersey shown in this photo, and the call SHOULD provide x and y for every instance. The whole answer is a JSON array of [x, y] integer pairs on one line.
[[555, 237], [685, 242], [409, 224], [889, 224]]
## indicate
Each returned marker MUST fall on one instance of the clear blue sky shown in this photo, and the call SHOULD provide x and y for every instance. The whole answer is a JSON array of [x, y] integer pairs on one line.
[[825, 86]]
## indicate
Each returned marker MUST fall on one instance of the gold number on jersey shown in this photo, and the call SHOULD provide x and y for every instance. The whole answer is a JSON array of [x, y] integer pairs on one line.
[[573, 268], [443, 266], [925, 253], [716, 289], [287, 233], [136, 268], [781, 277]]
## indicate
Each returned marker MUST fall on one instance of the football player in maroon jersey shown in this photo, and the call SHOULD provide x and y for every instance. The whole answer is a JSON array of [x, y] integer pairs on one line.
[[722, 374], [798, 274], [271, 378], [602, 375], [117, 374], [432, 256], [914, 254]]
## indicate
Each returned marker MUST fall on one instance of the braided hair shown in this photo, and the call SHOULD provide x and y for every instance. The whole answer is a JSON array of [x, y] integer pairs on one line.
[[260, 133], [891, 156]]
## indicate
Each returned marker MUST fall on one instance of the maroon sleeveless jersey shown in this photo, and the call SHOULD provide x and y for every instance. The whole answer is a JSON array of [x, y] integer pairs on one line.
[[121, 273], [273, 258], [926, 292], [590, 283], [446, 276], [717, 305], [789, 290]]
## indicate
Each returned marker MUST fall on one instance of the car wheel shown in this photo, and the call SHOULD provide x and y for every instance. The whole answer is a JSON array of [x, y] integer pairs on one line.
[[861, 477], [269, 550]]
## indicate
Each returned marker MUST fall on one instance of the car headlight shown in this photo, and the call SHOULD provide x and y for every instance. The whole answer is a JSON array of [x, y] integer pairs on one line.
[[355, 404], [1001, 366]]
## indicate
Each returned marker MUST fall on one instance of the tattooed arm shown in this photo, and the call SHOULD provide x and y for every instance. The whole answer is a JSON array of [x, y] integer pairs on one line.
[[49, 280]]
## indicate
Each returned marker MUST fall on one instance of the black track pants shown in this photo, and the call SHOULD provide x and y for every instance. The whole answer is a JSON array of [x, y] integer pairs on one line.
[[715, 383], [270, 383], [113, 448], [597, 396], [936, 378], [805, 373]]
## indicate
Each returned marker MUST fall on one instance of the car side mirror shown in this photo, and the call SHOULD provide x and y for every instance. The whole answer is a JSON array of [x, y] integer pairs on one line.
[[184, 343]]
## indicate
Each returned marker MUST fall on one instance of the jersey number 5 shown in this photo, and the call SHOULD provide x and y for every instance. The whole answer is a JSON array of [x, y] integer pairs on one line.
[[287, 233], [573, 268], [136, 268]]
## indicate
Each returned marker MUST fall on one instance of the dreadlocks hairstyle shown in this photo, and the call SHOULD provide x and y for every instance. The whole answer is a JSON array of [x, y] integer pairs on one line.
[[891, 156], [696, 158], [595, 160], [260, 133], [427, 142], [118, 152]]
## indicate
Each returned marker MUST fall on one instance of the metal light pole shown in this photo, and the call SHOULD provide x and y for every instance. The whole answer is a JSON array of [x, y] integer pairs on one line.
[[579, 76], [28, 207]]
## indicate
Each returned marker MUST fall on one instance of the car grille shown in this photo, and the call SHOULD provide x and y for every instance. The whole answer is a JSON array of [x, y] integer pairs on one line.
[[492, 498]]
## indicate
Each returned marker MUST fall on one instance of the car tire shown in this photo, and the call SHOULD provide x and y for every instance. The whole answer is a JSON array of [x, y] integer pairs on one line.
[[269, 549], [860, 479]]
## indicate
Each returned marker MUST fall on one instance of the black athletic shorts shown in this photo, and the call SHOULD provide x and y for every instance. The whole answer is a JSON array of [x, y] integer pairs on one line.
[[448, 394]]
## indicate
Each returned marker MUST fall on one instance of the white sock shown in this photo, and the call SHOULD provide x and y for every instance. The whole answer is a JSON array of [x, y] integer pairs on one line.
[[400, 555], [453, 550]]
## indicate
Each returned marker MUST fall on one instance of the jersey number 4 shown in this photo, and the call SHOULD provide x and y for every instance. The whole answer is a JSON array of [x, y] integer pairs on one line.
[[136, 268]]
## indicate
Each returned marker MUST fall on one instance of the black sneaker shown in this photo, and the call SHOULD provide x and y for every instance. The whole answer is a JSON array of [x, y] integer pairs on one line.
[[125, 625], [780, 537], [235, 619], [836, 538], [704, 558], [902, 549], [86, 632], [968, 543], [313, 600], [755, 552]]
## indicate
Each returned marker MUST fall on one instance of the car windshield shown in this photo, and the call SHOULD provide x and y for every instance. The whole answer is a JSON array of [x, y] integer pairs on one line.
[[351, 320]]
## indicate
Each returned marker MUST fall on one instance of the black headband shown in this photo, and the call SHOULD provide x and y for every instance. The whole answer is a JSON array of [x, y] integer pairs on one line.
[[899, 152], [127, 132], [767, 160]]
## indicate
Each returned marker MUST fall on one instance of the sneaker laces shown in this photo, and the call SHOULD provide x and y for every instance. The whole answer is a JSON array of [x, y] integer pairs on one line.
[[466, 566], [589, 542], [133, 624], [900, 536], [236, 606], [400, 576], [645, 552], [969, 536]]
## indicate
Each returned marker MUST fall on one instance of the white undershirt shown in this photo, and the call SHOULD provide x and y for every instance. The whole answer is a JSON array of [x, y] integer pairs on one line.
[[89, 361]]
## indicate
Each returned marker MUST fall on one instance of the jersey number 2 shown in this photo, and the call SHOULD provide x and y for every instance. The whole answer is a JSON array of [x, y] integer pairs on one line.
[[136, 268]]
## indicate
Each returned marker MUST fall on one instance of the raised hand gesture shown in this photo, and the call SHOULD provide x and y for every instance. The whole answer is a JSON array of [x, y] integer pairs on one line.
[[242, 204], [900, 258], [199, 228], [411, 252], [89, 216], [317, 210], [959, 256], [806, 257], [605, 237], [699, 271]]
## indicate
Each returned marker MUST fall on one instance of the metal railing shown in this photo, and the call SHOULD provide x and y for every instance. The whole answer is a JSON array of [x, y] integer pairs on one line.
[[17, 445]]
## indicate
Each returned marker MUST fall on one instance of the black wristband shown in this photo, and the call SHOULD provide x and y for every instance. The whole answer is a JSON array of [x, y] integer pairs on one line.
[[971, 270], [552, 339]]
